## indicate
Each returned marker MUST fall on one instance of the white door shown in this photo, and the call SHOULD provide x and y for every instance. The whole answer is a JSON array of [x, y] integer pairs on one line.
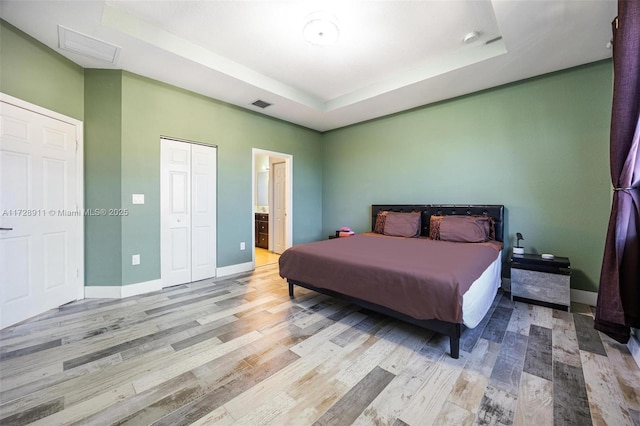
[[175, 207], [188, 212], [279, 207], [203, 215], [40, 201]]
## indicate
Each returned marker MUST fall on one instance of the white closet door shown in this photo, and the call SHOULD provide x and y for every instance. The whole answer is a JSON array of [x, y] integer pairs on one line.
[[188, 209], [203, 216], [40, 239], [175, 187]]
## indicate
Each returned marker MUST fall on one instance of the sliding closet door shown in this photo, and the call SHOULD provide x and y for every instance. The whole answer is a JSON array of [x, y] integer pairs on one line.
[[175, 207], [203, 212], [188, 210]]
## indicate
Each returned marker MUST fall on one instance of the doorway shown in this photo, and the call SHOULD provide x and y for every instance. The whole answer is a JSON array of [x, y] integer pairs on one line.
[[272, 200], [188, 199], [41, 206]]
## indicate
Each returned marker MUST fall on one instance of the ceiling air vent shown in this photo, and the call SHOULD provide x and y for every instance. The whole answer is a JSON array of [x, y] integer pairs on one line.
[[261, 104], [85, 45]]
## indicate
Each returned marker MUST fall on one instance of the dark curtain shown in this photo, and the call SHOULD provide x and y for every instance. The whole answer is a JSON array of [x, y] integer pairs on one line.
[[618, 306]]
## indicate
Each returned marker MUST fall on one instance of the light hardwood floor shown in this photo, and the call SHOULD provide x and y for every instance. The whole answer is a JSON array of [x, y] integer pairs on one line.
[[265, 257], [239, 351]]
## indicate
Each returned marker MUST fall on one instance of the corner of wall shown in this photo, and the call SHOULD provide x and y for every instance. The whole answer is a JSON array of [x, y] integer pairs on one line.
[[103, 148]]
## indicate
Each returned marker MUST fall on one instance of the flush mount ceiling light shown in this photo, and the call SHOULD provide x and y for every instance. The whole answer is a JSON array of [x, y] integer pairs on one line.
[[471, 37], [321, 29]]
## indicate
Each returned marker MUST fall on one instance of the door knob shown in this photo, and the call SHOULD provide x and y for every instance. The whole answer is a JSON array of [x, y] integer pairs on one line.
[[6, 229]]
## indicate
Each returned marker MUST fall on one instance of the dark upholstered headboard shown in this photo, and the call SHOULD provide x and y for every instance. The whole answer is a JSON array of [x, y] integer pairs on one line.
[[496, 211]]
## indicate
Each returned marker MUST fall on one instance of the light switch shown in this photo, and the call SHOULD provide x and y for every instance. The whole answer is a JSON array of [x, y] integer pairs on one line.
[[137, 198]]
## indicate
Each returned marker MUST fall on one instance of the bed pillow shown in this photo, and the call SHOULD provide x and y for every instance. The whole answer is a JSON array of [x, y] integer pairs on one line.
[[463, 229], [381, 217], [402, 224]]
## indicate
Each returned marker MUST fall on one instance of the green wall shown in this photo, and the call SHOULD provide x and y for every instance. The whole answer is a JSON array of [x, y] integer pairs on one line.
[[151, 109], [31, 71], [103, 176], [540, 147], [127, 115]]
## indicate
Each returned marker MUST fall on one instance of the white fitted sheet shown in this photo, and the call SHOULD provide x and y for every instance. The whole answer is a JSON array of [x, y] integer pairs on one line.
[[478, 299]]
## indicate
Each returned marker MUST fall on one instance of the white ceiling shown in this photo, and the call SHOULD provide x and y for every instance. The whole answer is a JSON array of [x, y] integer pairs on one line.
[[390, 56]]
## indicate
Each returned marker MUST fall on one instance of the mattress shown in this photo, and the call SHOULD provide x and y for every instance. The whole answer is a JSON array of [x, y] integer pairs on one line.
[[478, 299]]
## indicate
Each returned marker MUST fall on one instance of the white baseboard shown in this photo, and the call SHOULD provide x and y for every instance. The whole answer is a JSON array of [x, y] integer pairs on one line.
[[234, 269], [119, 292], [586, 297], [634, 348], [141, 288], [102, 292]]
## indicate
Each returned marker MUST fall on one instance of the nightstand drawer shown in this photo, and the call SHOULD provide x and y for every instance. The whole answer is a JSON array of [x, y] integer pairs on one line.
[[542, 286]]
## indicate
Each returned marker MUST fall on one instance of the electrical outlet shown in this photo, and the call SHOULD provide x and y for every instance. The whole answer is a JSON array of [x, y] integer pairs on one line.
[[135, 259], [242, 247]]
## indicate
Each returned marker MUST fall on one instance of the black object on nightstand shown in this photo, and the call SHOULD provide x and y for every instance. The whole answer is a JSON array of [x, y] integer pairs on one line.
[[547, 281]]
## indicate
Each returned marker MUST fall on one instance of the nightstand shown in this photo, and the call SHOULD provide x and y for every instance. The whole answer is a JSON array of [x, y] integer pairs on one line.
[[541, 280]]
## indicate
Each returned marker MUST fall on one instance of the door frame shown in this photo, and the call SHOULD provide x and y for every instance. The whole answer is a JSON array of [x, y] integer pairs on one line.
[[288, 159], [79, 170]]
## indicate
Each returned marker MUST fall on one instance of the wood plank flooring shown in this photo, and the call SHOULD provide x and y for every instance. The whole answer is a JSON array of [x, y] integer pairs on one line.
[[265, 257], [239, 351]]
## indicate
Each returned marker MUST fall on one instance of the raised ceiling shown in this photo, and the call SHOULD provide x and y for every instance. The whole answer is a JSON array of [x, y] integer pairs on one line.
[[390, 55]]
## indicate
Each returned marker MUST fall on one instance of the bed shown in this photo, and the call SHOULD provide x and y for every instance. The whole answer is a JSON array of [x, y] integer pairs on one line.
[[435, 266]]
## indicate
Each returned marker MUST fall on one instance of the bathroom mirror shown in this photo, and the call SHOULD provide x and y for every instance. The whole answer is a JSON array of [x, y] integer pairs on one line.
[[262, 190]]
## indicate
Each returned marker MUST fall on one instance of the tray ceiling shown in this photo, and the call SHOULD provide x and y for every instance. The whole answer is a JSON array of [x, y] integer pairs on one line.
[[390, 55]]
